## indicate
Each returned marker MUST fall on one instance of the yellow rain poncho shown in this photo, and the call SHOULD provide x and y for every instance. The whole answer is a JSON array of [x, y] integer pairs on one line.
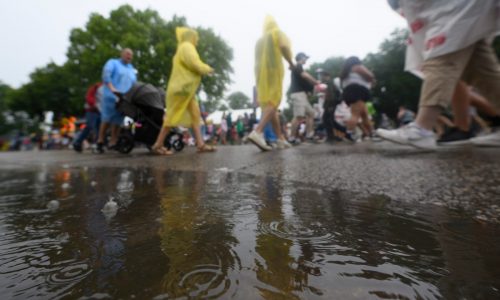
[[185, 79], [269, 69]]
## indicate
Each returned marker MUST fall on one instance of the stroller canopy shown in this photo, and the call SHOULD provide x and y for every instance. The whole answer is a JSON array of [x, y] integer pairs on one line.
[[146, 94]]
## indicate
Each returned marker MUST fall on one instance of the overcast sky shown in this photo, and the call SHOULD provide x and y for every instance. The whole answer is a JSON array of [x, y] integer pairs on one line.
[[35, 32]]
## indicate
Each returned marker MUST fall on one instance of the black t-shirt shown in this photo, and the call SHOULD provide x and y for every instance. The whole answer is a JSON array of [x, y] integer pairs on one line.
[[299, 84]]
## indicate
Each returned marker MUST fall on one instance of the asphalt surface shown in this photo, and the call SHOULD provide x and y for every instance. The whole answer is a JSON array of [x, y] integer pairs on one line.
[[466, 180]]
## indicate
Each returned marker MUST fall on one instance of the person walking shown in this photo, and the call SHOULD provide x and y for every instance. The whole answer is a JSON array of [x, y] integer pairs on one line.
[[302, 84], [357, 81], [93, 99], [332, 99], [269, 73], [182, 105], [452, 38], [118, 76]]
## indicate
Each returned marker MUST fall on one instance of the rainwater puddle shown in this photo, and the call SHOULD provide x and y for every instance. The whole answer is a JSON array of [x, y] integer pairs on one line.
[[185, 235]]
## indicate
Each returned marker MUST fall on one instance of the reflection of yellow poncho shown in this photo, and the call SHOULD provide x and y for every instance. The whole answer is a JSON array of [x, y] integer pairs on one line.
[[185, 78], [269, 70]]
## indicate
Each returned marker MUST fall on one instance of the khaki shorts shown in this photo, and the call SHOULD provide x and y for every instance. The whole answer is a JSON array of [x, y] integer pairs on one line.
[[301, 105], [477, 65]]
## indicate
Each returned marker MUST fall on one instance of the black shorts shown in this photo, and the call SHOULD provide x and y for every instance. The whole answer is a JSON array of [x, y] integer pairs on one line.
[[355, 92]]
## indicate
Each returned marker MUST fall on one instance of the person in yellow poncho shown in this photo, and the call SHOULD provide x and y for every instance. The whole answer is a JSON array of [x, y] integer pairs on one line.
[[269, 73], [182, 106]]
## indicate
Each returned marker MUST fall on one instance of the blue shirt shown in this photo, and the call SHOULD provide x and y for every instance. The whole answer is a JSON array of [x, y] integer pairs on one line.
[[121, 75]]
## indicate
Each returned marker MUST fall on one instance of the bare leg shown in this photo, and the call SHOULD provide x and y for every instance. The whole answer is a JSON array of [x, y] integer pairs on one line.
[[356, 111], [309, 126], [366, 122], [460, 106], [102, 132], [115, 132], [483, 105], [160, 140], [158, 147], [267, 115], [295, 125], [194, 111], [427, 116], [277, 126]]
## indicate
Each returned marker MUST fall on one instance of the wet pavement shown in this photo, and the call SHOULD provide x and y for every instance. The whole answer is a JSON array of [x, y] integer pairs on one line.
[[312, 222]]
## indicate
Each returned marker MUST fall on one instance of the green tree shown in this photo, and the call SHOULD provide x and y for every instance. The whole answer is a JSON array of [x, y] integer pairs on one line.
[[48, 89], [239, 100], [153, 40], [395, 86], [215, 52], [332, 65], [5, 94]]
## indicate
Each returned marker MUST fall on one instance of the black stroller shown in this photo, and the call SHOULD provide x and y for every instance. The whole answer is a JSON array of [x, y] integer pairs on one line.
[[145, 104]]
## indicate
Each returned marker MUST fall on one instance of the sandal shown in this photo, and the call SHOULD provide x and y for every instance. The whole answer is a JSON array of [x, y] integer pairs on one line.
[[206, 148], [161, 151]]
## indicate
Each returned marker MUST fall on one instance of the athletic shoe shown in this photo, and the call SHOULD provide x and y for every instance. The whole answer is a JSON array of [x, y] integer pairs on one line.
[[351, 137], [411, 135], [294, 142], [99, 149], [489, 140], [282, 144], [455, 137], [258, 140]]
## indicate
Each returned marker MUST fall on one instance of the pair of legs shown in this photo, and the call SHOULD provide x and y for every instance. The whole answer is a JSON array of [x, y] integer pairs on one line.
[[194, 111], [299, 120], [223, 135], [476, 65], [270, 114], [463, 98], [93, 122], [359, 111], [110, 118], [115, 132], [302, 112]]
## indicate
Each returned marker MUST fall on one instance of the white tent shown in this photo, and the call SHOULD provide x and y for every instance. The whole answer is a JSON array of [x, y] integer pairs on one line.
[[216, 116]]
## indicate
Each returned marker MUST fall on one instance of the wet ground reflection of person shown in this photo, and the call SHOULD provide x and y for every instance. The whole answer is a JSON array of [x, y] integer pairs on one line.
[[196, 241]]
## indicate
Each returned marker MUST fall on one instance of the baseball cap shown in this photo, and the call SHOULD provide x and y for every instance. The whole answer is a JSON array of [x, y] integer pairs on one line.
[[300, 56]]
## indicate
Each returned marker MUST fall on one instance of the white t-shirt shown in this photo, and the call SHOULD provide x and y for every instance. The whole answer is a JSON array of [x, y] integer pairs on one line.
[[355, 78], [439, 27]]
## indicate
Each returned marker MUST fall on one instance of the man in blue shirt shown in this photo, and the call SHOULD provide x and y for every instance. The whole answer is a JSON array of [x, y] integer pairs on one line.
[[118, 75]]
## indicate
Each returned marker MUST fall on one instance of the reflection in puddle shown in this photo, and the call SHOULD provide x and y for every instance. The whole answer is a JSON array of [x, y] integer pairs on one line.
[[183, 235]]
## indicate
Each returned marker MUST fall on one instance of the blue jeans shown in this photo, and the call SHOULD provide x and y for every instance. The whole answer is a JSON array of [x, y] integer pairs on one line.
[[269, 134], [93, 121]]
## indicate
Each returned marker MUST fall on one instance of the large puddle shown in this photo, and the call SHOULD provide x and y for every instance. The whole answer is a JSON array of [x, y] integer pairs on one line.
[[187, 235]]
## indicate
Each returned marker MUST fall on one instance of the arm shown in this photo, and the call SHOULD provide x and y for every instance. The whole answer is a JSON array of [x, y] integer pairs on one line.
[[285, 48], [310, 78], [364, 72], [107, 72], [190, 58]]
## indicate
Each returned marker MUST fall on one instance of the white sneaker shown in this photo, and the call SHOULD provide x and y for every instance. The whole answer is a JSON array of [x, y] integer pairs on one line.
[[259, 141], [411, 135], [489, 140], [282, 144]]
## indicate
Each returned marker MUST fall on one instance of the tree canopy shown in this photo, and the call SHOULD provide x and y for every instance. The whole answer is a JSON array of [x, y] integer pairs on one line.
[[61, 88], [239, 100]]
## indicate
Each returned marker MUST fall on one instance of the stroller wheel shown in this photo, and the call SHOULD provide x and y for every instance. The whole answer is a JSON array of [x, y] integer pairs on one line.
[[178, 145], [125, 143]]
